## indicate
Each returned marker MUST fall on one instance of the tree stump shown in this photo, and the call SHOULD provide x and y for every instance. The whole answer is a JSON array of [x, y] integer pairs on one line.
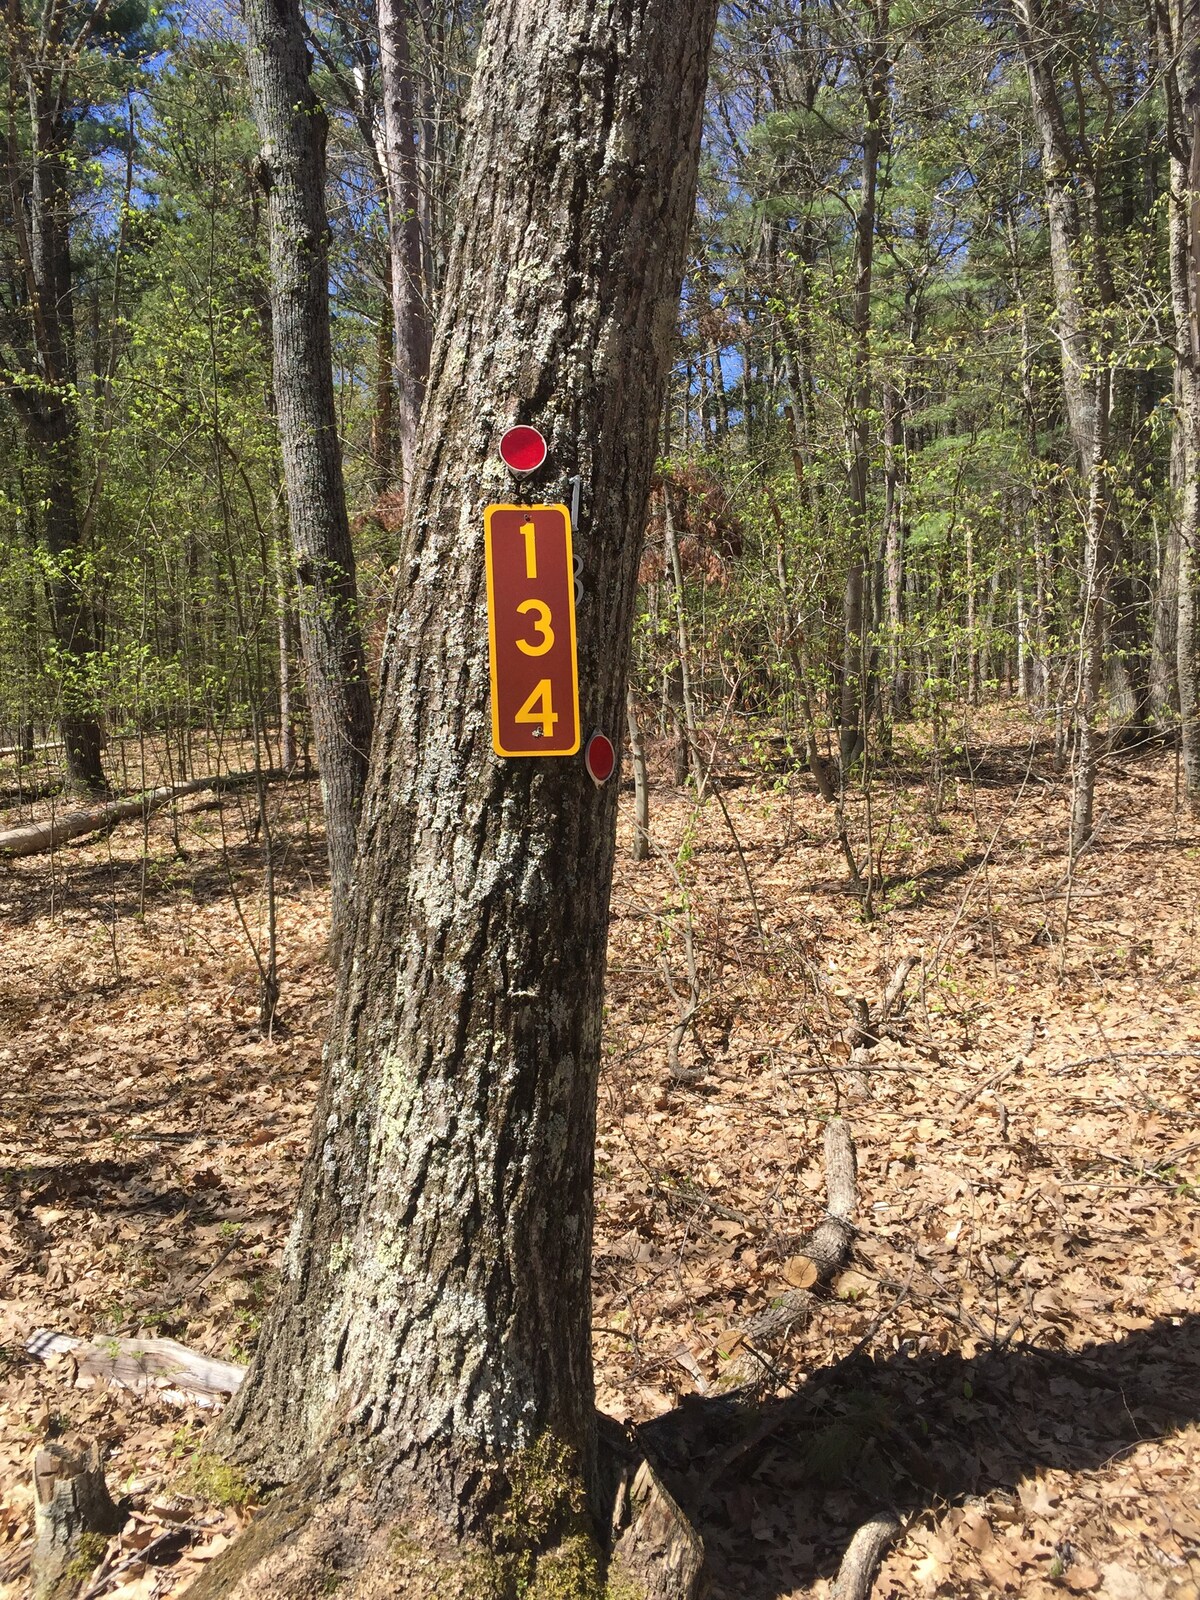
[[659, 1555], [73, 1517]]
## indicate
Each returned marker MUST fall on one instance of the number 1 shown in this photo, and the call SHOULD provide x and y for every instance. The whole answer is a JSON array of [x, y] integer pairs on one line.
[[529, 533]]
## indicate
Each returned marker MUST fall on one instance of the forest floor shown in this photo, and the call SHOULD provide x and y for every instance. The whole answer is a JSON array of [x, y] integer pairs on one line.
[[1012, 1361]]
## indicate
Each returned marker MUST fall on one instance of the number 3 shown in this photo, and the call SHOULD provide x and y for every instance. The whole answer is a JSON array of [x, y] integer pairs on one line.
[[541, 623]]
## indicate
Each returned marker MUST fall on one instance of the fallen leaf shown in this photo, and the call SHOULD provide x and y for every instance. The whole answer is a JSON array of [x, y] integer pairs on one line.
[[1080, 1579], [853, 1285]]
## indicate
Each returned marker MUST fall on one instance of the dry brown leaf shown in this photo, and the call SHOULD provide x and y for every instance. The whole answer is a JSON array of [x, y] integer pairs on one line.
[[853, 1285], [1081, 1579]]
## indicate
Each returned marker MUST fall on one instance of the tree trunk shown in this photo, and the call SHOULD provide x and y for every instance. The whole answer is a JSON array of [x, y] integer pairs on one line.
[[641, 782], [1096, 563], [876, 87], [1065, 225], [1180, 27], [383, 425], [38, 347], [675, 572], [1025, 659], [73, 1518], [893, 550], [410, 315], [972, 640], [292, 127], [287, 711], [1187, 640], [432, 1331]]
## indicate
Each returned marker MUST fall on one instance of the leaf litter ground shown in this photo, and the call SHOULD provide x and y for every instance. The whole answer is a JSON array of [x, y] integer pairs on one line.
[[1011, 1363]]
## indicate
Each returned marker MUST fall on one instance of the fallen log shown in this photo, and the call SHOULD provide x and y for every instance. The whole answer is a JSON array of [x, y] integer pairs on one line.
[[827, 1248], [32, 838], [177, 1374]]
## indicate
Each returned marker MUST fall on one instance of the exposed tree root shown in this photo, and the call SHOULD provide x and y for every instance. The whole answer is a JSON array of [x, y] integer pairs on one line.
[[856, 1575], [326, 1532]]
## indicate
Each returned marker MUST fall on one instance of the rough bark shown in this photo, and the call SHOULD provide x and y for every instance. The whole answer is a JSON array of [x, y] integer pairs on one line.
[[292, 127], [382, 445], [433, 1322], [410, 315], [659, 1555]]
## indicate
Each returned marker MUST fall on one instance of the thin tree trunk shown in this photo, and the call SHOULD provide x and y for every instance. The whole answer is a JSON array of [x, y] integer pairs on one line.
[[972, 623], [893, 550], [720, 397], [292, 127], [1187, 640], [1025, 660], [38, 324], [1041, 613], [989, 669], [1091, 660], [410, 314], [1179, 27], [287, 714], [641, 782], [1065, 225], [687, 699], [383, 422], [876, 82], [432, 1331]]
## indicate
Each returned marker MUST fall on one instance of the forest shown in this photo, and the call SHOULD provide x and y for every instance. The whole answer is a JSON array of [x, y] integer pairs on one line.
[[770, 1170]]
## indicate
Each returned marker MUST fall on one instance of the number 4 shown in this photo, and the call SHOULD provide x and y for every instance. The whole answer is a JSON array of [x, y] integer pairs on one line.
[[539, 709]]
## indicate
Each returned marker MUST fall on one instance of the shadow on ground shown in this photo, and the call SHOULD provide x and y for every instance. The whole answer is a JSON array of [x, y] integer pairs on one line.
[[777, 1494]]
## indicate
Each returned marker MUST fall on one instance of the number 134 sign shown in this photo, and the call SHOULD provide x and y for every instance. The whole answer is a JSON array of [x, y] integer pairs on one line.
[[531, 630]]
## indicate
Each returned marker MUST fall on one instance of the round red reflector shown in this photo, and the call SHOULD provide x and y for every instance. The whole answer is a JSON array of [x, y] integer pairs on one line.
[[522, 449], [600, 758]]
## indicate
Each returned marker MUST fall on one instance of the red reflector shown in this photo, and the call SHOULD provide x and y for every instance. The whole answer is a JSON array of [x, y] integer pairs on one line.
[[522, 449], [600, 758]]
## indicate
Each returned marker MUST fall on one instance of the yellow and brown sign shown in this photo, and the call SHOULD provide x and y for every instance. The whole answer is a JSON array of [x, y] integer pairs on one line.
[[531, 630]]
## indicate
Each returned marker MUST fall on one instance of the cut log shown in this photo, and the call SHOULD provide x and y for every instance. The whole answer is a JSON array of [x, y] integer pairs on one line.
[[32, 838], [73, 1517], [178, 1374], [894, 992], [828, 1246], [856, 1575]]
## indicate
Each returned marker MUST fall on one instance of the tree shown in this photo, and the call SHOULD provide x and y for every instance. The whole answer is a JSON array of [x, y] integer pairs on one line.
[[1179, 35], [292, 126], [410, 315], [53, 49], [432, 1331]]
